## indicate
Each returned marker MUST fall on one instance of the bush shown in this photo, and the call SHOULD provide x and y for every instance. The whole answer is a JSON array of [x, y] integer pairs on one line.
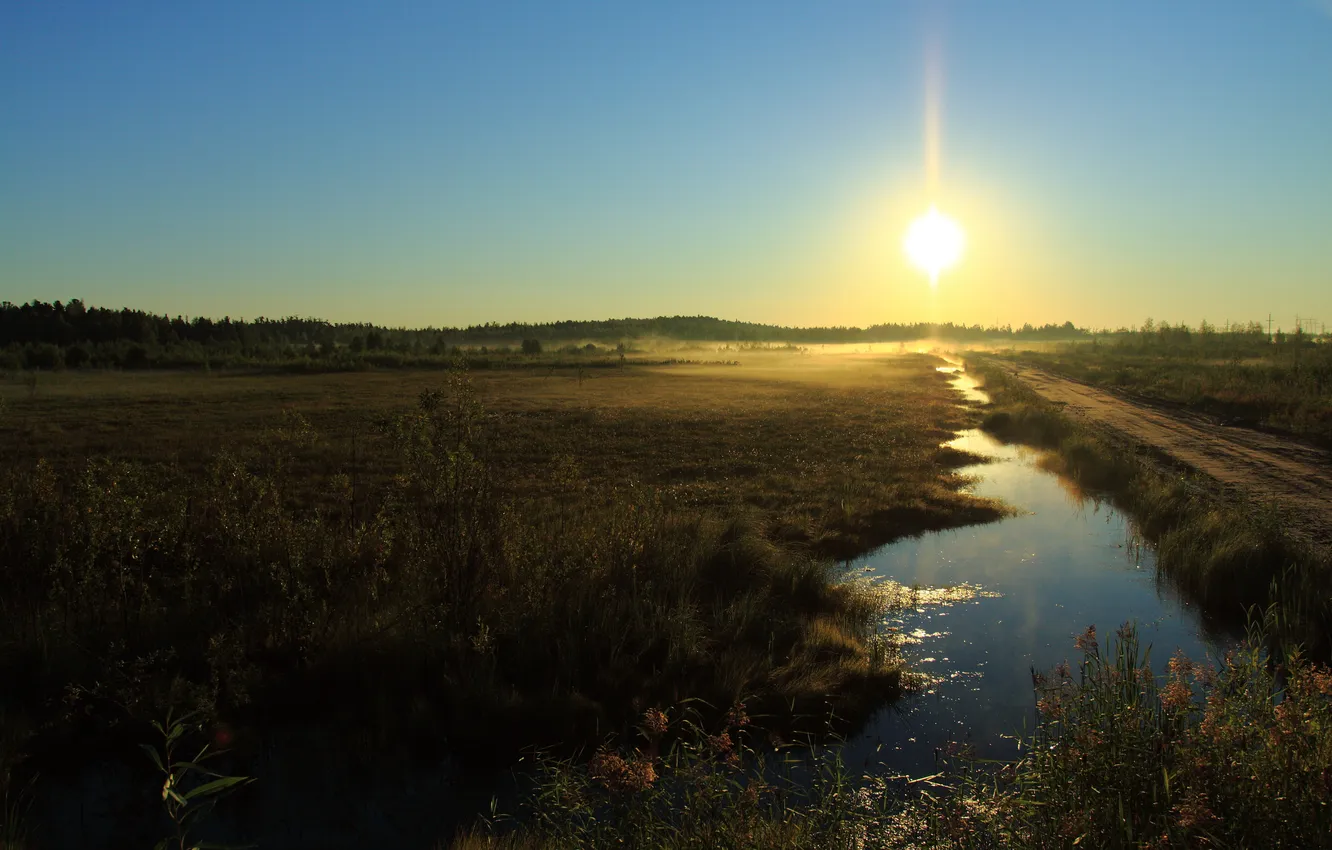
[[76, 357], [531, 346], [43, 355]]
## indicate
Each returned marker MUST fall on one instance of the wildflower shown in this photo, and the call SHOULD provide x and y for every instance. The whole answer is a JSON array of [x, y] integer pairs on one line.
[[1176, 696], [617, 774], [1211, 725], [1086, 641], [1050, 707], [655, 721], [607, 767], [1321, 681], [1090, 738], [1062, 671], [721, 743], [750, 798], [640, 775], [1194, 812], [1179, 664], [736, 716], [1204, 674]]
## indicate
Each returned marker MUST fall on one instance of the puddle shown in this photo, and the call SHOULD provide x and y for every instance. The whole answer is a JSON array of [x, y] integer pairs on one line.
[[982, 605]]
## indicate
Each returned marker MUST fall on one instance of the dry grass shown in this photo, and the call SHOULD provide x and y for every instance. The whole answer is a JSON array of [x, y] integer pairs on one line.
[[841, 452]]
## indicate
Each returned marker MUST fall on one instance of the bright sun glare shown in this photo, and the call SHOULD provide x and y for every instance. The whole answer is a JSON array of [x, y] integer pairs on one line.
[[934, 242]]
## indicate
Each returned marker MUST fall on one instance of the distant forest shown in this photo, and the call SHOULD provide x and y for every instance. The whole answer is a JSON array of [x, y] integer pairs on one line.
[[73, 335]]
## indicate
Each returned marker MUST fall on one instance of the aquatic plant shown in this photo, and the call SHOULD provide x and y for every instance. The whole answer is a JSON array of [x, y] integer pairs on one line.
[[189, 789]]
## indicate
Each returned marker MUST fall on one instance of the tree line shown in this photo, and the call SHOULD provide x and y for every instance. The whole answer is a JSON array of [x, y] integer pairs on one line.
[[40, 335]]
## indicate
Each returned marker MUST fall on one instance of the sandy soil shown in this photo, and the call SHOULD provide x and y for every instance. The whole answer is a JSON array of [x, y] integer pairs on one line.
[[1294, 475]]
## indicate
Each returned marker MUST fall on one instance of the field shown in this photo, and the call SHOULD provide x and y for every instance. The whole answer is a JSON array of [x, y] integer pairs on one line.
[[457, 562], [839, 452]]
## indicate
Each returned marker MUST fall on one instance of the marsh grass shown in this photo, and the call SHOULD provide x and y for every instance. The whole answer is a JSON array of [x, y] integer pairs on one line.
[[1220, 549], [836, 454], [1231, 755], [681, 784], [1238, 755], [439, 609]]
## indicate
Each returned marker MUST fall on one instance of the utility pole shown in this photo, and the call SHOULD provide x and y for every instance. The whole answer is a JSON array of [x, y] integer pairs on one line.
[[1269, 327]]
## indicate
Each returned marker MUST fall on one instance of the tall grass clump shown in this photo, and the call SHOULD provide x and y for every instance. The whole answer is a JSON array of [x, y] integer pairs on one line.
[[684, 785], [1235, 756], [1221, 550]]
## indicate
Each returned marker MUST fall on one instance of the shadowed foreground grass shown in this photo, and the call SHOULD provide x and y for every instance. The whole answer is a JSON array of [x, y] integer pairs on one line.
[[1221, 551], [1239, 756], [483, 577]]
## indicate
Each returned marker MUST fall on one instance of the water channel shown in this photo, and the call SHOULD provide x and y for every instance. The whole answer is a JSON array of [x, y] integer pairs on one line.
[[997, 600]]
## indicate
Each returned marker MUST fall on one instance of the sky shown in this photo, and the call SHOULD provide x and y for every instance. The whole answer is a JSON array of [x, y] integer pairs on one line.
[[447, 163]]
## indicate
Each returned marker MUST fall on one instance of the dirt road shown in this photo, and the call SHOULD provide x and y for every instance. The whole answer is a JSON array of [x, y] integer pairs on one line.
[[1295, 476]]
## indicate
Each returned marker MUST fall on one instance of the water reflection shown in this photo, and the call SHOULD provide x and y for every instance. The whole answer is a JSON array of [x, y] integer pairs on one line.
[[1063, 563]]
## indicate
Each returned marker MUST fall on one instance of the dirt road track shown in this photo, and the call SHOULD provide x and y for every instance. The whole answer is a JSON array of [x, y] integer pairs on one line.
[[1296, 476]]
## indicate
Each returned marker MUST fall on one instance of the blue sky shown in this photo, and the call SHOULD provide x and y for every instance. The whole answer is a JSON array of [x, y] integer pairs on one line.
[[456, 162]]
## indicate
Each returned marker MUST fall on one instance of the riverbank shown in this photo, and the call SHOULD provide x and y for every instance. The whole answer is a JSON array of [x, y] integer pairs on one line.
[[1225, 549]]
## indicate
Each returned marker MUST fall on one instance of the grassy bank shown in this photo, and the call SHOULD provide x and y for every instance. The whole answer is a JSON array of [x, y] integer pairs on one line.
[[1238, 755], [499, 563], [1240, 378], [1222, 551]]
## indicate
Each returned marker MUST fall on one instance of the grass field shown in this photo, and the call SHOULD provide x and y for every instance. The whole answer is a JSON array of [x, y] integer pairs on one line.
[[457, 562], [839, 451]]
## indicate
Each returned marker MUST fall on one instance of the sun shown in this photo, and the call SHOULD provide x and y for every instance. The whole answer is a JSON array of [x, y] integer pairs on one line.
[[934, 243]]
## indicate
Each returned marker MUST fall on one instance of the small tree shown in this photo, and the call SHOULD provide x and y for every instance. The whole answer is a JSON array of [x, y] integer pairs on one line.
[[531, 346]]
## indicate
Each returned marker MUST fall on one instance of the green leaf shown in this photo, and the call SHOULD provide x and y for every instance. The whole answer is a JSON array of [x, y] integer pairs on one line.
[[152, 754], [217, 786]]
